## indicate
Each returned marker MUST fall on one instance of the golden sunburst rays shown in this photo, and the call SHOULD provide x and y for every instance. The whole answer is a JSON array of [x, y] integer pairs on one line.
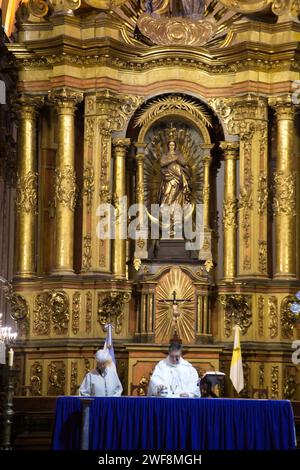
[[189, 144], [175, 280]]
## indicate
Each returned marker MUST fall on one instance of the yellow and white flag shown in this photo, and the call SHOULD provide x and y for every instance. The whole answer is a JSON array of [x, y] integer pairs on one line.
[[236, 367]]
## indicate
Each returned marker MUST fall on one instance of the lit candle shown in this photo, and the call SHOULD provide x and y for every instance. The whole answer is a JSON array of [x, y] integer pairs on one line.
[[10, 357]]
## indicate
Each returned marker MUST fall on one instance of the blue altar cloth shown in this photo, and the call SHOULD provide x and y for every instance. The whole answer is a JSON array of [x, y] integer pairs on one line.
[[148, 423]]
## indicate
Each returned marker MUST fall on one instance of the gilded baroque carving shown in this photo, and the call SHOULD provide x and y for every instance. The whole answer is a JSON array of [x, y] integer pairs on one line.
[[26, 192], [273, 316], [56, 378], [42, 314], [237, 311], [87, 365], [36, 377], [288, 319], [87, 253], [110, 309], [177, 30], [114, 109], [89, 311], [245, 393], [274, 382], [19, 309], [76, 308], [261, 375], [247, 263], [65, 187], [263, 194], [261, 305], [159, 106], [51, 307], [74, 378], [88, 185], [229, 213], [285, 194], [60, 311], [263, 256], [290, 383], [90, 130]]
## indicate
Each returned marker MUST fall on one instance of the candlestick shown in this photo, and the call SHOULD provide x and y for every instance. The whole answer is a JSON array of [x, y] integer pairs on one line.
[[10, 357]]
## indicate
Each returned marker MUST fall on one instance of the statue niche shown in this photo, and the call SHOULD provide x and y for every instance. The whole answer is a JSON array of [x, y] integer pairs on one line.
[[173, 179]]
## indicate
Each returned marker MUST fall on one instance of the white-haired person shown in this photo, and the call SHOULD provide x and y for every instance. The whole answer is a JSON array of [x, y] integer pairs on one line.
[[102, 381]]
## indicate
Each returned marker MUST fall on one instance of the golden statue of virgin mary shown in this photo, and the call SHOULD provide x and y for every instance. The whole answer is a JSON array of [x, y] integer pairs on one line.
[[175, 183]]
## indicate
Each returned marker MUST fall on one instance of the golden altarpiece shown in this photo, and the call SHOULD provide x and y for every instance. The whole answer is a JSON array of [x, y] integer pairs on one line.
[[96, 92]]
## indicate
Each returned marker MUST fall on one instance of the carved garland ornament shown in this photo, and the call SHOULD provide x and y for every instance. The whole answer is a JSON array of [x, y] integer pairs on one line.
[[288, 319], [36, 374]]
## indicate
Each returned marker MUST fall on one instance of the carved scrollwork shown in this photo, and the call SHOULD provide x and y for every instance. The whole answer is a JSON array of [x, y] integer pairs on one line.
[[261, 304], [88, 185], [288, 319], [89, 311], [38, 8], [114, 110], [263, 256], [290, 383], [60, 311], [263, 193], [87, 253], [51, 308], [65, 187], [56, 378], [76, 307], [285, 194], [74, 377], [229, 213], [273, 316], [26, 192], [110, 309], [36, 375], [237, 311], [274, 382]]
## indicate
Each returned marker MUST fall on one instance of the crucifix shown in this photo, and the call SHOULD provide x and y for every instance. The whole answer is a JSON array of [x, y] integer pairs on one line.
[[176, 314]]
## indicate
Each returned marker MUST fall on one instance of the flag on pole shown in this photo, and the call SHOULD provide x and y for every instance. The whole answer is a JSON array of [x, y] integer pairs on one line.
[[108, 341], [236, 367]]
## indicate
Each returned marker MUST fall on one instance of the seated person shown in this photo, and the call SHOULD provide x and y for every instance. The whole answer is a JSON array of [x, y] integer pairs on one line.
[[102, 381], [174, 377]]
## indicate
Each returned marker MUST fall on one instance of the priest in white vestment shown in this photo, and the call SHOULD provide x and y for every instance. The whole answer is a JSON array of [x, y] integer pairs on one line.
[[174, 377], [102, 381]]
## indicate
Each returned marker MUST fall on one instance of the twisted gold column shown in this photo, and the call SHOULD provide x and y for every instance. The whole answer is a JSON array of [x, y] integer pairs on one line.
[[140, 172], [120, 146], [231, 150], [65, 185], [285, 189], [26, 190]]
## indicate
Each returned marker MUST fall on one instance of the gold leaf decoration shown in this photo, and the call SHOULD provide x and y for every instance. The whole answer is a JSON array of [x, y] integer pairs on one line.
[[172, 103], [178, 281]]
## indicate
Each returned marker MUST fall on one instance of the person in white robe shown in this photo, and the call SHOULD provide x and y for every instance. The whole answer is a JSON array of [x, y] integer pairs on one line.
[[102, 381], [174, 377]]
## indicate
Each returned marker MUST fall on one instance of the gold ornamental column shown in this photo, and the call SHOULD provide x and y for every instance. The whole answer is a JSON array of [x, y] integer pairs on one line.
[[285, 189], [141, 242], [231, 154], [120, 146], [65, 185], [207, 159], [27, 186]]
